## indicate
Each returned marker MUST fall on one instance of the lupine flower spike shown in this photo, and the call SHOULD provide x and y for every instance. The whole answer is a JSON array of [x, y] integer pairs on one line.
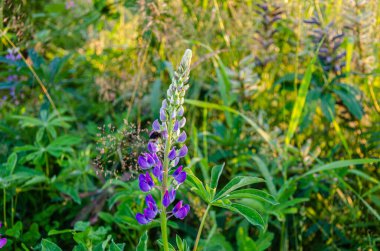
[[164, 152]]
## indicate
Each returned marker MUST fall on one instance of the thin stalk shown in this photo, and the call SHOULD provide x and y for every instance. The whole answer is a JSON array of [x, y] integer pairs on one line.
[[47, 164], [5, 207], [201, 228], [164, 228]]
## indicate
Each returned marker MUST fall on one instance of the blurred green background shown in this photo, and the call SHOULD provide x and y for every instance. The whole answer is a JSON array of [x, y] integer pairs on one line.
[[276, 89]]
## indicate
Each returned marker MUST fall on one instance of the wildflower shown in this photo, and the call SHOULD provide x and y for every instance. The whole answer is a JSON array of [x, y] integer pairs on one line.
[[180, 211], [179, 175], [166, 131], [69, 4], [146, 182], [3, 241]]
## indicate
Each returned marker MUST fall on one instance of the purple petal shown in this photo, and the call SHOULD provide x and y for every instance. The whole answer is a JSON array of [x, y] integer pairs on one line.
[[179, 169], [176, 126], [183, 151], [180, 111], [177, 206], [182, 122], [182, 212], [143, 162], [172, 195], [166, 199], [162, 115], [175, 162], [172, 154], [150, 160], [149, 180], [152, 147], [164, 134], [141, 219], [182, 137], [156, 125], [158, 172], [3, 242], [143, 184], [149, 214], [164, 104], [181, 177]]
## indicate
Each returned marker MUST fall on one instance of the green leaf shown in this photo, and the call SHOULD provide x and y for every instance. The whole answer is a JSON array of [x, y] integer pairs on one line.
[[49, 246], [339, 164], [143, 242], [196, 185], [328, 106], [250, 214], [251, 193], [117, 247], [300, 101], [215, 175], [244, 242], [11, 163], [236, 183], [266, 174], [350, 101]]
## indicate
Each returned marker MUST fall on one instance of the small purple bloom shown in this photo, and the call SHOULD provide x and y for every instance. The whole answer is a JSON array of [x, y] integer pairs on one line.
[[180, 111], [146, 161], [179, 175], [164, 134], [180, 211], [168, 198], [152, 147], [176, 126], [158, 172], [164, 104], [162, 115], [175, 162], [3, 241], [182, 122], [141, 219], [172, 154], [146, 182], [151, 203], [182, 137], [183, 151], [156, 125]]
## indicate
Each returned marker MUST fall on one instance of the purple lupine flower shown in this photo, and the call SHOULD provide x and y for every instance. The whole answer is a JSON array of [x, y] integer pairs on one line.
[[179, 175], [146, 161], [69, 4], [168, 127], [172, 154], [176, 126], [162, 115], [183, 151], [3, 241], [180, 211], [168, 198], [13, 54], [182, 122], [158, 172], [182, 137], [156, 126], [146, 182], [152, 147]]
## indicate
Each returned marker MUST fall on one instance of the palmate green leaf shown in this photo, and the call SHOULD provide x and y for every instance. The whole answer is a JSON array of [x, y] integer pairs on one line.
[[250, 214], [196, 185], [49, 246], [266, 174], [215, 175], [182, 244], [28, 121], [251, 193], [244, 242], [236, 183], [117, 247], [339, 164], [350, 101], [143, 242]]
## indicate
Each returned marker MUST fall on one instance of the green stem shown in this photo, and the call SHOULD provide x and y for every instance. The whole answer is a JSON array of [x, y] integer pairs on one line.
[[201, 228], [164, 227], [47, 164], [5, 207]]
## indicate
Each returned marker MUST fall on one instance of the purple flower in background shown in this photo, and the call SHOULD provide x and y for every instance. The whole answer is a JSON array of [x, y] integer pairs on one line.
[[179, 175], [165, 149], [13, 54], [69, 4], [180, 211], [146, 182], [3, 241]]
